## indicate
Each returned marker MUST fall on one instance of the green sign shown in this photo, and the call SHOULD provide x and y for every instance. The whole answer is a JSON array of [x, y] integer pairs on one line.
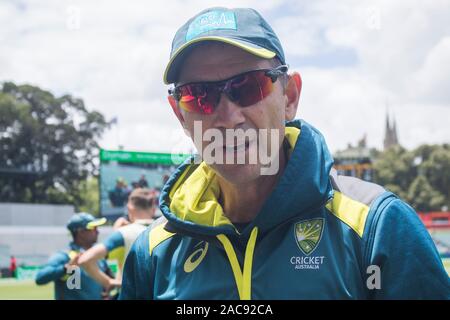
[[27, 272], [142, 157]]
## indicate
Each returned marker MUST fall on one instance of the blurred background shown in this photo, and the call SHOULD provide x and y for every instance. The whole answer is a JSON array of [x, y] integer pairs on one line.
[[84, 116]]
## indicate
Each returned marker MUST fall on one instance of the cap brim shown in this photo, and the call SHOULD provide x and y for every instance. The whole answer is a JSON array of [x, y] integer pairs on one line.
[[96, 223], [169, 74]]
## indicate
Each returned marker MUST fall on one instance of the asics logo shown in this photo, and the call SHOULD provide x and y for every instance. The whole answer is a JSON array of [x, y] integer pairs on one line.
[[196, 257]]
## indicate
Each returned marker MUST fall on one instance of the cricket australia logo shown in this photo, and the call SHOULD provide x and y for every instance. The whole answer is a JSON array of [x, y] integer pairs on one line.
[[308, 234]]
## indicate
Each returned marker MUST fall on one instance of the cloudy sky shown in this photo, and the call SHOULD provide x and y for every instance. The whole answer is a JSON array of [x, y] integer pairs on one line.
[[357, 59]]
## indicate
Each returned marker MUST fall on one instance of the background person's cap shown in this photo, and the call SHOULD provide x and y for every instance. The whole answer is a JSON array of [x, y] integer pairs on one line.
[[241, 27], [84, 221]]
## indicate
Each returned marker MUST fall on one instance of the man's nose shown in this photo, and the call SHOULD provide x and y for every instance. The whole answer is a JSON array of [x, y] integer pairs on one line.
[[229, 115]]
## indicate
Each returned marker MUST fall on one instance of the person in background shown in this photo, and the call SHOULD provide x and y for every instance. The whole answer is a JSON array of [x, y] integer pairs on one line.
[[118, 195], [83, 228], [134, 185], [143, 183], [141, 210], [13, 267], [121, 222]]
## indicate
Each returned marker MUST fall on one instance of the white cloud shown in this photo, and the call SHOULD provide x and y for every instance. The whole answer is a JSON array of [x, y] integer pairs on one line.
[[114, 59], [402, 58], [431, 81]]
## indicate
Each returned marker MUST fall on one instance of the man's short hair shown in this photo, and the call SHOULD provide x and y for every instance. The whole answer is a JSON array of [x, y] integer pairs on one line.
[[142, 198]]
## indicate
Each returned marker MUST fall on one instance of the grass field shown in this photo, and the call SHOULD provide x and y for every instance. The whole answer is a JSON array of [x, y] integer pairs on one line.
[[24, 290]]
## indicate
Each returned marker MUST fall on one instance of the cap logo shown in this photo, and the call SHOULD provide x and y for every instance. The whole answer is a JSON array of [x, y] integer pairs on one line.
[[213, 20]]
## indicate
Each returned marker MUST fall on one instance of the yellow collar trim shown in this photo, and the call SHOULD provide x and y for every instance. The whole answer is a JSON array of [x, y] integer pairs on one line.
[[243, 278], [196, 198]]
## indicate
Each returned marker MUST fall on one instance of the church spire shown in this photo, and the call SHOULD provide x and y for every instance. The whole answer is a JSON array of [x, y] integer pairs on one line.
[[390, 134]]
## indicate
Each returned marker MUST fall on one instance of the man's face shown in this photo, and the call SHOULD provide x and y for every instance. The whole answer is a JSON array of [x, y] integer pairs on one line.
[[215, 62], [88, 236]]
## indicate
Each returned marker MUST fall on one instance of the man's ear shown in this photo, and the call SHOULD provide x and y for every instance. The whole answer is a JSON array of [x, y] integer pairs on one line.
[[130, 209], [176, 110], [292, 92]]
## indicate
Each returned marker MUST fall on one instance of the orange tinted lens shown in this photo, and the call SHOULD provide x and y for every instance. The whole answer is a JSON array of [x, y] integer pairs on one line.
[[245, 90], [250, 88], [199, 98]]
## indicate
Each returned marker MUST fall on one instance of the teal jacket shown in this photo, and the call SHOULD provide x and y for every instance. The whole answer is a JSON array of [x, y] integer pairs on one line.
[[318, 236], [55, 271]]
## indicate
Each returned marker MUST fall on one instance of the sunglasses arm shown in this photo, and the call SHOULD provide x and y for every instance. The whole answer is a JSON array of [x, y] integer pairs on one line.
[[276, 72], [174, 105]]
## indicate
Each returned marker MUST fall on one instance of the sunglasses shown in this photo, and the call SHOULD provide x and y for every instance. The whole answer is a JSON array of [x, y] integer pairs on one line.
[[244, 89]]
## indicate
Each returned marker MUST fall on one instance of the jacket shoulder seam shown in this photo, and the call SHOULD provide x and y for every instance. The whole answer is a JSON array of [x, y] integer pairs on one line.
[[351, 212], [359, 190], [158, 235]]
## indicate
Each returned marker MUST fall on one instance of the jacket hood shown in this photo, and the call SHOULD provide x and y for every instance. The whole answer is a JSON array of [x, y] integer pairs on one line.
[[189, 200]]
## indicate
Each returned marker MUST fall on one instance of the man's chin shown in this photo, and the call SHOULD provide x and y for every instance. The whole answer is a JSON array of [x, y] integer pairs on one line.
[[238, 173]]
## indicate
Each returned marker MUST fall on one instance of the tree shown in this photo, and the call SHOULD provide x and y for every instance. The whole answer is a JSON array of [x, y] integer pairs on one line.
[[48, 145], [394, 169], [421, 176], [423, 197], [437, 170], [90, 196]]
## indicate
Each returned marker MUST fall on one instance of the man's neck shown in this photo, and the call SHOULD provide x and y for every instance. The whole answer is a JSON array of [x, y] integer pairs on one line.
[[241, 203], [142, 215], [85, 246]]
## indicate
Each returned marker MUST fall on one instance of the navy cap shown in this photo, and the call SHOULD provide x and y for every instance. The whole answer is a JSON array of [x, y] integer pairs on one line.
[[242, 27], [84, 221]]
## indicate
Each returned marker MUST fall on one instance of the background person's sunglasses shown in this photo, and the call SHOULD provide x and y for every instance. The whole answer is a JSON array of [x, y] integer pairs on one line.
[[244, 89]]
